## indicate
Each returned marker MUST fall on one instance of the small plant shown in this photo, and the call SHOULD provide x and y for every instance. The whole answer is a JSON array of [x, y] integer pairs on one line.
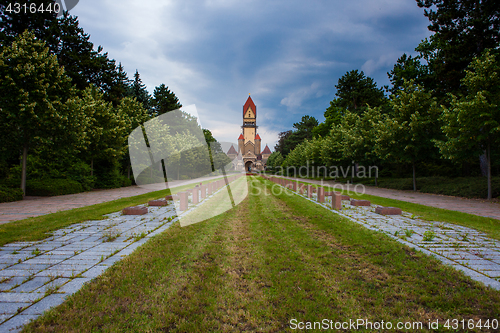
[[5, 279], [102, 258], [465, 238], [15, 252], [51, 289], [110, 235], [429, 236], [396, 233], [409, 232], [140, 236], [36, 252]]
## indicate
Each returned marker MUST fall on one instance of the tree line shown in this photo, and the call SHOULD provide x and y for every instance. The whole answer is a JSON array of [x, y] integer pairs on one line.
[[66, 108], [441, 112]]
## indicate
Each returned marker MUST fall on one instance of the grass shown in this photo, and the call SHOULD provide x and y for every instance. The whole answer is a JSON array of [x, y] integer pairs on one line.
[[489, 226], [41, 227], [256, 267]]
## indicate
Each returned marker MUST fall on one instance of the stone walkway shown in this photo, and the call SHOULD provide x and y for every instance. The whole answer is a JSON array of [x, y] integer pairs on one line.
[[471, 206], [465, 249], [36, 206], [36, 276]]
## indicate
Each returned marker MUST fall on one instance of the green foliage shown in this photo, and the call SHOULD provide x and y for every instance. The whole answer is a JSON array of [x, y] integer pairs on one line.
[[472, 123], [303, 131], [52, 187], [10, 194], [33, 89], [408, 68], [164, 100], [355, 91], [407, 135], [138, 91], [461, 31]]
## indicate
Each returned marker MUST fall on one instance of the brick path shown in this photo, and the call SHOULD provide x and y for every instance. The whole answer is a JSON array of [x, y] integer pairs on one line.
[[471, 206], [36, 206]]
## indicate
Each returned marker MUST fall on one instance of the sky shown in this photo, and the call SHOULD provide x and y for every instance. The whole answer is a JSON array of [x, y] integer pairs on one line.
[[287, 54]]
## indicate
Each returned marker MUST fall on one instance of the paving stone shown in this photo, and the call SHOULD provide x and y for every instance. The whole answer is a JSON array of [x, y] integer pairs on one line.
[[11, 272], [94, 271], [10, 297], [45, 304], [31, 285], [16, 323], [51, 285], [74, 285], [12, 308]]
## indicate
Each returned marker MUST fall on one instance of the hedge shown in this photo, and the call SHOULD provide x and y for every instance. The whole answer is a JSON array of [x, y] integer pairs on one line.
[[51, 187], [10, 194]]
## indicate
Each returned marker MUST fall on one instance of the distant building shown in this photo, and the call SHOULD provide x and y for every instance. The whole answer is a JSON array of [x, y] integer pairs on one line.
[[249, 156]]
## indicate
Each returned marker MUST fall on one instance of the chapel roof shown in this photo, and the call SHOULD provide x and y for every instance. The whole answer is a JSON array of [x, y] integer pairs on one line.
[[250, 103]]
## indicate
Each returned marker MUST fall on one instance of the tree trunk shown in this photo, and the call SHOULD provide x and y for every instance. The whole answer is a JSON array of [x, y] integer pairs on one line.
[[23, 169], [488, 161], [414, 178], [92, 167], [128, 171]]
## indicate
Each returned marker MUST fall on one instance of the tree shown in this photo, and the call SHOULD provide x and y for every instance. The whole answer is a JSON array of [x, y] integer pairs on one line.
[[282, 146], [138, 90], [472, 123], [65, 39], [106, 130], [409, 68], [333, 115], [164, 100], [133, 115], [33, 88], [408, 135], [355, 91], [462, 30]]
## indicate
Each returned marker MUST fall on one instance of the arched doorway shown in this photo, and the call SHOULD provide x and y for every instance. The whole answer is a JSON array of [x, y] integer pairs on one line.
[[248, 166]]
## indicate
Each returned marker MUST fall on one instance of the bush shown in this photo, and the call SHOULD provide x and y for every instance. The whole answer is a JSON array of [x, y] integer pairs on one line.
[[51, 187], [10, 194]]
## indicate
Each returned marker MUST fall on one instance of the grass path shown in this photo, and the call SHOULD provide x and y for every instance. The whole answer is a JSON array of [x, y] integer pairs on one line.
[[256, 267]]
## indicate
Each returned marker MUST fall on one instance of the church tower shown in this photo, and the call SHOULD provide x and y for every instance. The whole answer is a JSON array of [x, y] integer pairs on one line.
[[249, 142], [249, 121]]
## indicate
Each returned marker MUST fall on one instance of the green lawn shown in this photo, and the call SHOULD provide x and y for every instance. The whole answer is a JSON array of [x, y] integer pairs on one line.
[[263, 264]]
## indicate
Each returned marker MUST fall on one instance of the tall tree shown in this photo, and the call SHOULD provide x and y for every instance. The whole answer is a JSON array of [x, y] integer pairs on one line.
[[66, 39], [106, 131], [462, 30], [333, 115], [33, 88], [355, 91], [408, 135], [409, 68], [164, 100], [138, 90], [282, 145], [472, 123]]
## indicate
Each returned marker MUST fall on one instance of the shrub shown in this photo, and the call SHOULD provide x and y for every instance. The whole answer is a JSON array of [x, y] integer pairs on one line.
[[10, 194], [51, 187]]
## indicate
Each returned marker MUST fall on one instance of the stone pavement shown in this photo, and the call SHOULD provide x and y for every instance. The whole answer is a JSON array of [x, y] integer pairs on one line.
[[36, 276], [465, 249], [480, 207], [18, 210]]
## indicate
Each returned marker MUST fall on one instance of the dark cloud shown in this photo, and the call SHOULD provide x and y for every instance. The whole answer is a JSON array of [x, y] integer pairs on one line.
[[288, 54]]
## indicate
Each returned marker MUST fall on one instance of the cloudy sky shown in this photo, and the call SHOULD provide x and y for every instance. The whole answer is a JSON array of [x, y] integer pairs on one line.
[[288, 54]]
